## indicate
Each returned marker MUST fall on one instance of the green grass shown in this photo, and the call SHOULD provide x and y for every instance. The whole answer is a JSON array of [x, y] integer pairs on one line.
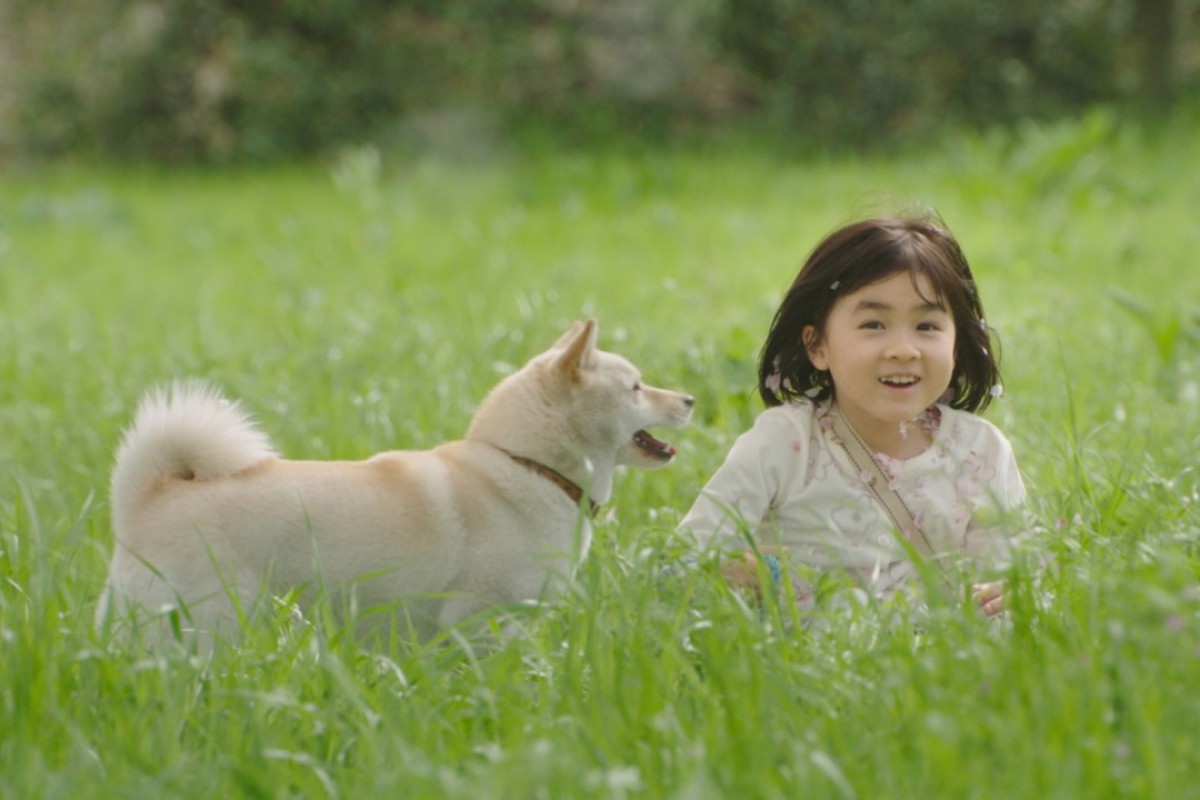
[[368, 304]]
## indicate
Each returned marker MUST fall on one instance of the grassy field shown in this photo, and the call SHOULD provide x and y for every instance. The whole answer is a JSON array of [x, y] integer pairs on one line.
[[369, 302]]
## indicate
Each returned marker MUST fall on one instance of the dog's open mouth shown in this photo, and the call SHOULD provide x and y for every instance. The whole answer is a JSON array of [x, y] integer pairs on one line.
[[653, 447]]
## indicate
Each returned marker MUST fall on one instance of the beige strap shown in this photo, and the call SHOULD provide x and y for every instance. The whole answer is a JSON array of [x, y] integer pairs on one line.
[[878, 482]]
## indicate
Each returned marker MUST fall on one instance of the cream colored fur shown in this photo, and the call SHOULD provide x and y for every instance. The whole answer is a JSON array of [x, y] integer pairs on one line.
[[209, 518]]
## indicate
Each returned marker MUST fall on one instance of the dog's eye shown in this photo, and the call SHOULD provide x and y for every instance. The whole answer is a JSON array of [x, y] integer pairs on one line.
[[637, 386]]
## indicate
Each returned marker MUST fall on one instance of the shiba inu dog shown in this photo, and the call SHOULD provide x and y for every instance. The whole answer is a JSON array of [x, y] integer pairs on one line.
[[209, 520]]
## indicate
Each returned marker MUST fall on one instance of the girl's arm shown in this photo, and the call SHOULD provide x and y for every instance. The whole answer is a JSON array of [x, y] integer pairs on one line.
[[998, 520], [740, 493], [990, 535]]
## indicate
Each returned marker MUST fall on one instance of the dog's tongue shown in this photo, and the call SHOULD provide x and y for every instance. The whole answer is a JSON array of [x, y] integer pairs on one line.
[[653, 446]]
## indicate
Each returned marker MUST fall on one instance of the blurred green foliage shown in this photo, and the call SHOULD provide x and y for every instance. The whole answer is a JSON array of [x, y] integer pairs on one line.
[[859, 69], [218, 80]]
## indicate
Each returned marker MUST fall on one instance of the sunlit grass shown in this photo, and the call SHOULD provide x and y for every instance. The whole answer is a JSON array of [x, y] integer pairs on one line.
[[370, 302]]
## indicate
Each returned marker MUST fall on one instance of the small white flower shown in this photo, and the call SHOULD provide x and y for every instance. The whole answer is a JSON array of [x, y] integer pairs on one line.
[[996, 391]]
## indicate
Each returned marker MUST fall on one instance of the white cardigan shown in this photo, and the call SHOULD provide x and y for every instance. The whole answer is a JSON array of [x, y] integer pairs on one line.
[[788, 481]]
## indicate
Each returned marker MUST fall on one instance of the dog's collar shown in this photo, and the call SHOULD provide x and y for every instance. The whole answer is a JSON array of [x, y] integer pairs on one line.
[[566, 484]]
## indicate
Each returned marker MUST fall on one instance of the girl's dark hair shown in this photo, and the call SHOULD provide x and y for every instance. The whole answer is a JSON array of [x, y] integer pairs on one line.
[[863, 253]]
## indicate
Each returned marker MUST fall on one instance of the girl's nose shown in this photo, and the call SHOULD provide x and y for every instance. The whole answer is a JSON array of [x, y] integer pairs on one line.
[[901, 346]]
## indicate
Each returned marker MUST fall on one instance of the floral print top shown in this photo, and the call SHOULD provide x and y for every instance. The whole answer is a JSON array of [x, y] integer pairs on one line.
[[789, 481]]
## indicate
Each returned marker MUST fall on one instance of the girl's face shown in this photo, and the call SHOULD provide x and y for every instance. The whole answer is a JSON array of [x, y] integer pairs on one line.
[[890, 350]]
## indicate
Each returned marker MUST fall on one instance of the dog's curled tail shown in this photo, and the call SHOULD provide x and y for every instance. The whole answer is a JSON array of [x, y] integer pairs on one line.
[[188, 431]]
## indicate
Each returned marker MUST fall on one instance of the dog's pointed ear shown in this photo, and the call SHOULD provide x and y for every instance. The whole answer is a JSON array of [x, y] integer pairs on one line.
[[578, 347], [565, 340]]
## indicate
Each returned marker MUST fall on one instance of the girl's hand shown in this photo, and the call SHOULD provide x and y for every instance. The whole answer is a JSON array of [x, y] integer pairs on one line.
[[989, 597], [742, 570]]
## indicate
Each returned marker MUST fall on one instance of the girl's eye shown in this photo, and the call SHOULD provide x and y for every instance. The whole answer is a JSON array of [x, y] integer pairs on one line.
[[929, 326], [873, 325]]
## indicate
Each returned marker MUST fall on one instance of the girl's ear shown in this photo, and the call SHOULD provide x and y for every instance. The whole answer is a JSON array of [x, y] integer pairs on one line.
[[815, 347]]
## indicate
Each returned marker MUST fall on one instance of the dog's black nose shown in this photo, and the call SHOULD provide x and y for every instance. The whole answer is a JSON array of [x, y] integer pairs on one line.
[[689, 401]]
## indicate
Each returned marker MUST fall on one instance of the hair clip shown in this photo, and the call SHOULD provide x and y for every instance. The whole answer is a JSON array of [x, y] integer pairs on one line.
[[833, 286]]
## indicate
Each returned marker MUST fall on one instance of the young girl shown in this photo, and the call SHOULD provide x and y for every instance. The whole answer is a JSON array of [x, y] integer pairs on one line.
[[870, 448]]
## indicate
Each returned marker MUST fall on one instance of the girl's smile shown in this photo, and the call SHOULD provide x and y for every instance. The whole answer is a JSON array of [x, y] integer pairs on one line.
[[889, 348]]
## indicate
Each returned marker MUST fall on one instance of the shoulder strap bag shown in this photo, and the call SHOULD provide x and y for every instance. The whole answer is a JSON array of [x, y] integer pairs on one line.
[[877, 482]]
